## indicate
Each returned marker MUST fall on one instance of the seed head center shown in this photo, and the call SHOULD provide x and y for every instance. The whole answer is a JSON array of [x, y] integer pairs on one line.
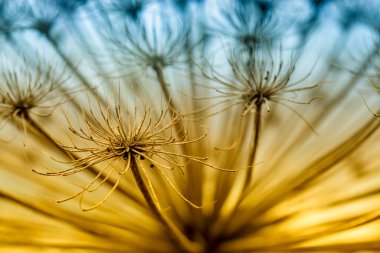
[[255, 97]]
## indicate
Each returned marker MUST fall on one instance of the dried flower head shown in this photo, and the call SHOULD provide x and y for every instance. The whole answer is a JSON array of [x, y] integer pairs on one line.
[[9, 17], [256, 81], [152, 45], [144, 45], [118, 145], [184, 5], [248, 29], [351, 13], [290, 196], [131, 9], [42, 16], [70, 6], [369, 14], [27, 90]]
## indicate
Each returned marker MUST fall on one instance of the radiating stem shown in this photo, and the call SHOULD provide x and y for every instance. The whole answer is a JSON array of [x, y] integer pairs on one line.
[[225, 223], [163, 84], [320, 116], [179, 130], [72, 67], [143, 188], [191, 73], [310, 173], [254, 148], [182, 240], [69, 218], [86, 42], [172, 108], [38, 128]]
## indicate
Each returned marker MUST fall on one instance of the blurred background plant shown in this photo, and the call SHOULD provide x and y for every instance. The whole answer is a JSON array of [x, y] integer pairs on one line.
[[189, 126]]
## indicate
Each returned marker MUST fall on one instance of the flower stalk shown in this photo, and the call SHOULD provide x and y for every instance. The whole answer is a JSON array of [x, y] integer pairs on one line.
[[154, 206], [253, 148]]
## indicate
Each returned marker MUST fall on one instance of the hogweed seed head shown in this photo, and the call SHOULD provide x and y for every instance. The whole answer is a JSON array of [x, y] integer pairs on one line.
[[248, 25], [144, 45], [257, 81], [141, 159], [130, 9], [27, 90], [42, 16], [10, 17], [111, 140], [70, 6]]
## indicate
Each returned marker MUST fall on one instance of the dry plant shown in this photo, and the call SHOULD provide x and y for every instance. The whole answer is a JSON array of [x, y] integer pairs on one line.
[[213, 139]]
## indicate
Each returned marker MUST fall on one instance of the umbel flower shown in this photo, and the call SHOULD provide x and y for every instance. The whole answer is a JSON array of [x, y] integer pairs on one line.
[[27, 91], [139, 46], [122, 145], [146, 177], [131, 141], [257, 81], [250, 24], [130, 9]]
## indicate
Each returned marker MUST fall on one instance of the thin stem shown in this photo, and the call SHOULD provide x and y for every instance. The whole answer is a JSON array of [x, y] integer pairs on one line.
[[172, 108], [143, 188], [72, 67], [254, 148], [310, 173], [161, 79], [84, 40], [193, 177], [190, 55], [69, 218], [182, 240], [38, 128], [225, 223]]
